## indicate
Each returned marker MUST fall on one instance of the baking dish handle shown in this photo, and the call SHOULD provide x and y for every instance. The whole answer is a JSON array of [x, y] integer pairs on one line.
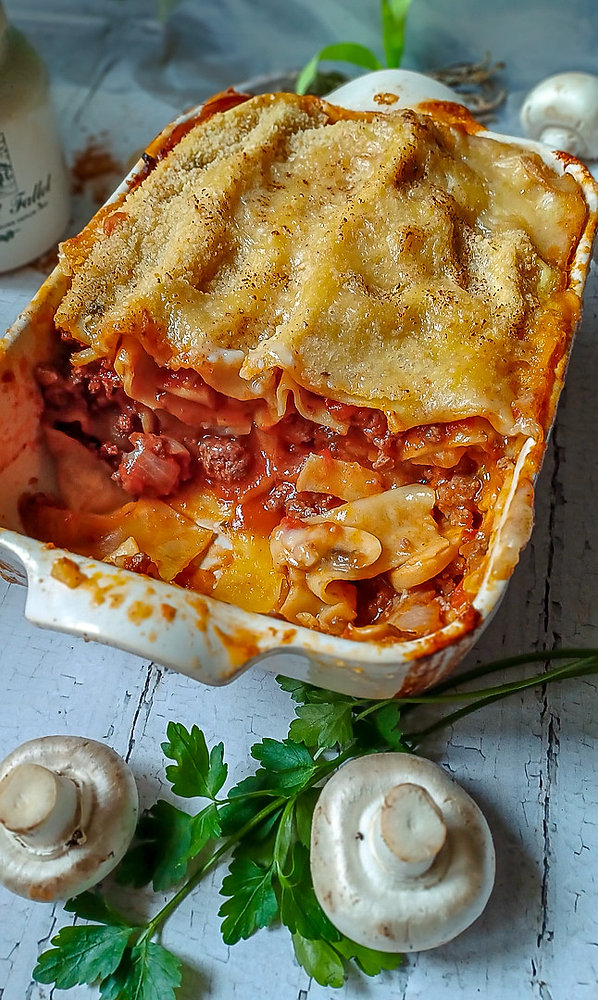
[[98, 601]]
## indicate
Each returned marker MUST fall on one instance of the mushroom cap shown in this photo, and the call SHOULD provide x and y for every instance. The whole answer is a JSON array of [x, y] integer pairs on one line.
[[562, 111], [412, 88], [400, 906], [105, 822]]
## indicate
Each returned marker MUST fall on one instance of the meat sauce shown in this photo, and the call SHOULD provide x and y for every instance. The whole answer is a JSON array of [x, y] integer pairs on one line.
[[257, 471], [152, 453]]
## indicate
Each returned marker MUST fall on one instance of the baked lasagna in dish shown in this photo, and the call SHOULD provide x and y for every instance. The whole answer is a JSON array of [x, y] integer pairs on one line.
[[302, 355]]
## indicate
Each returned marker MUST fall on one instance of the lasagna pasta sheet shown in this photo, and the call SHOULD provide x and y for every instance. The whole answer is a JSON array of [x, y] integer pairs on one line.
[[300, 358]]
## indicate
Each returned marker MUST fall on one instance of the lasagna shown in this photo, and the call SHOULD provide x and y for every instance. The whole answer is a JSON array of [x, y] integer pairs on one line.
[[300, 356]]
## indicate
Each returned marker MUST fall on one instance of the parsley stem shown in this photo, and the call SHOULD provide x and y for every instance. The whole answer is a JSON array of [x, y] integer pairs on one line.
[[579, 668], [282, 800], [278, 860], [586, 665], [514, 661], [261, 793], [377, 705], [172, 904]]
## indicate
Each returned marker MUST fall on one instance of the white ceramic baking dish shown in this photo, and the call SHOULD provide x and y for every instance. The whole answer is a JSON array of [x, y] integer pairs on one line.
[[197, 635]]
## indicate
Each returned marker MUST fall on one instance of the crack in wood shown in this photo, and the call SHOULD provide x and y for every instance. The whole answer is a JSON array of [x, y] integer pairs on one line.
[[551, 769], [548, 773], [146, 698], [44, 940]]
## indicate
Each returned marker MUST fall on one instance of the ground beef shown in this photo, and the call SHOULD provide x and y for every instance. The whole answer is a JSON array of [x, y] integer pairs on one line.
[[307, 504], [140, 563], [101, 381], [225, 459]]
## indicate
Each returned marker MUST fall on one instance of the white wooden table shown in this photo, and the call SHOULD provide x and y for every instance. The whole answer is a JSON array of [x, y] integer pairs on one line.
[[530, 762]]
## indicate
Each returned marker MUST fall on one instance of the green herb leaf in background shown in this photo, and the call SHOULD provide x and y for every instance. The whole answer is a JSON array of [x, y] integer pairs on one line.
[[394, 22], [349, 52], [393, 15]]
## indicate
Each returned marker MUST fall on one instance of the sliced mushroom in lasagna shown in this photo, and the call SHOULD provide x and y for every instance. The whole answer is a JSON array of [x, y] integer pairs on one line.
[[301, 356]]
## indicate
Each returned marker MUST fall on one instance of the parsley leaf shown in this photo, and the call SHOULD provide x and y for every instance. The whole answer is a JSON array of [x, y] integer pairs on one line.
[[304, 814], [299, 907], [304, 693], [325, 725], [82, 955], [195, 773], [368, 960], [290, 765], [252, 903], [284, 836], [386, 720], [164, 835], [320, 960], [298, 690], [148, 972], [205, 826], [92, 906], [240, 809]]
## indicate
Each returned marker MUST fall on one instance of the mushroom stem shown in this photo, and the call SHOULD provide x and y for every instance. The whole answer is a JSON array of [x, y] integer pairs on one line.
[[562, 137], [39, 806], [408, 831]]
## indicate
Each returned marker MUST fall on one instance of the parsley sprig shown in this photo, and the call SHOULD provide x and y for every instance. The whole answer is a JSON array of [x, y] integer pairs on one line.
[[263, 826]]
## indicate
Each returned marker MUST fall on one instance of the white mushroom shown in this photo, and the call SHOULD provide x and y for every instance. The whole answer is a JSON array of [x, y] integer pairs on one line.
[[562, 112], [68, 810], [401, 857]]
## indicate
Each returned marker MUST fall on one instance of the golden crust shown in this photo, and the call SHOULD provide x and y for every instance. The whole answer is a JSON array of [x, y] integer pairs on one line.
[[385, 260]]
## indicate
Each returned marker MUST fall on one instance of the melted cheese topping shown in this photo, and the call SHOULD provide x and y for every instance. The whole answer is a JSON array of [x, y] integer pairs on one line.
[[385, 260]]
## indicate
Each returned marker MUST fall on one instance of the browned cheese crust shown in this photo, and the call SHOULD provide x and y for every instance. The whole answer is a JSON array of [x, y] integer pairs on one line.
[[386, 260]]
